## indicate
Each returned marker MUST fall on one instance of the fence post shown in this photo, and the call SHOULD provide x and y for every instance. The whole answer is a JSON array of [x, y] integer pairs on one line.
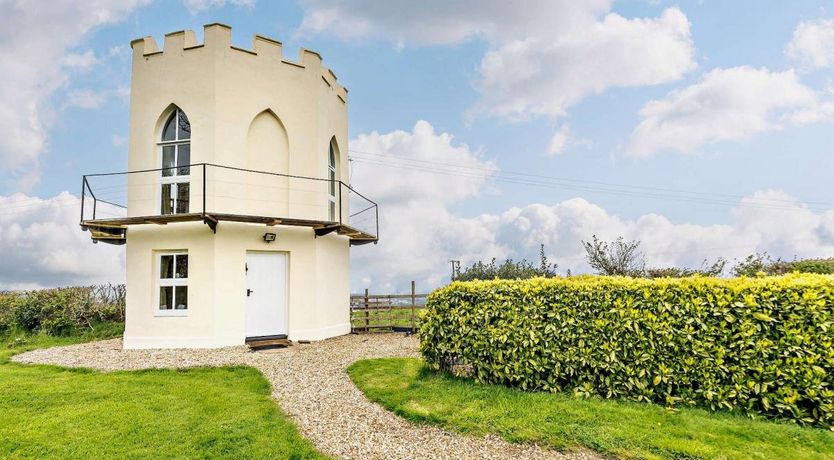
[[413, 304], [367, 313]]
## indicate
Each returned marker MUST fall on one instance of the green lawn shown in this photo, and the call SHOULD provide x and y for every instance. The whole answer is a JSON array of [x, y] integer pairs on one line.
[[52, 412], [623, 429]]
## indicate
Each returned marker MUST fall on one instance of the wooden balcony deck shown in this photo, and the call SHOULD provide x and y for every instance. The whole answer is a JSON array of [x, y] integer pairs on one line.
[[114, 230]]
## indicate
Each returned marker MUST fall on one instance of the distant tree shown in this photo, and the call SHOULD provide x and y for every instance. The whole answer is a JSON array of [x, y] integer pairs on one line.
[[821, 266], [618, 257], [753, 264], [509, 269], [714, 269], [763, 263]]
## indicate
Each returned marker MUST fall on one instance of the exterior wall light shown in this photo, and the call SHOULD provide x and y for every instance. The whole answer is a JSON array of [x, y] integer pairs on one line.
[[269, 237]]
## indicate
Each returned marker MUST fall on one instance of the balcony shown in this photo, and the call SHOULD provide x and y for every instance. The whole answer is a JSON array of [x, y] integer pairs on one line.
[[212, 194]]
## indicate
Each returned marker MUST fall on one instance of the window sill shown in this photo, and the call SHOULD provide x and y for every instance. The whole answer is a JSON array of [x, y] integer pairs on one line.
[[175, 313]]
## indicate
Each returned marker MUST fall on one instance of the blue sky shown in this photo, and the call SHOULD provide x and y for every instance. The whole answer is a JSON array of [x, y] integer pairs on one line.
[[414, 62]]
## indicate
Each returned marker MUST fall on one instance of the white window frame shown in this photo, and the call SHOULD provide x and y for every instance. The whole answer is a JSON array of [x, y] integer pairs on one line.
[[173, 282], [331, 184], [174, 180]]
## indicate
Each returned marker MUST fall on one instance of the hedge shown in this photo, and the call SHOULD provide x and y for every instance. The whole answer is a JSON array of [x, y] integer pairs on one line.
[[61, 310], [751, 345]]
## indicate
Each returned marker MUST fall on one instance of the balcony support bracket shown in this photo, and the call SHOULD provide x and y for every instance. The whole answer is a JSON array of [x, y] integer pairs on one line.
[[211, 221], [325, 230]]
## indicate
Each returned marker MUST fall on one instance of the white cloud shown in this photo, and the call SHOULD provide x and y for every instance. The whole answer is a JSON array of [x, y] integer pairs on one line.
[[86, 99], [559, 141], [197, 6], [726, 104], [36, 59], [420, 233], [546, 75], [543, 57], [439, 22], [43, 246], [81, 61], [418, 230], [420, 149], [93, 99], [813, 43]]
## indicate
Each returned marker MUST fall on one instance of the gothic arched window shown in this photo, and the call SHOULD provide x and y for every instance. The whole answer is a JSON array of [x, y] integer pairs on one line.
[[331, 176], [175, 156]]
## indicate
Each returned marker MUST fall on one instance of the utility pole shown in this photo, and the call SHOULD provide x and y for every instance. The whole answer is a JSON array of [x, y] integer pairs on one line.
[[455, 268]]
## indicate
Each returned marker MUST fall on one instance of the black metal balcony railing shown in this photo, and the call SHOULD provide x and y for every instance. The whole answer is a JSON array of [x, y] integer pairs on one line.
[[209, 192]]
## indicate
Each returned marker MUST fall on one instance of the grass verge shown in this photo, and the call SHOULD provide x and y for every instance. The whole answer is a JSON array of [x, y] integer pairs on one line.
[[407, 387], [53, 412]]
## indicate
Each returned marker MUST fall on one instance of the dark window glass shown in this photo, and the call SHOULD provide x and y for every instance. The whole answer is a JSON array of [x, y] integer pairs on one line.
[[166, 297], [169, 133], [182, 197], [167, 204], [168, 155], [166, 267], [183, 160], [181, 300], [332, 211], [182, 266], [184, 125]]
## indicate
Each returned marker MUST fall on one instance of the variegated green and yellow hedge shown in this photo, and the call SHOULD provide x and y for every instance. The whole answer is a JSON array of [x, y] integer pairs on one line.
[[760, 345]]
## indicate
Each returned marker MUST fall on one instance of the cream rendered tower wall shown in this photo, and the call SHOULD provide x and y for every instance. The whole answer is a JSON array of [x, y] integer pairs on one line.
[[247, 109]]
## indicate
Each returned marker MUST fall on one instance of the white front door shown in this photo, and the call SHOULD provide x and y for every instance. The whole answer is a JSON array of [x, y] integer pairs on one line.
[[266, 294]]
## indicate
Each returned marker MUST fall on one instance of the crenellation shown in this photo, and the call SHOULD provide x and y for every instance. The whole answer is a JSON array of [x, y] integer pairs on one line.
[[309, 58], [244, 50], [328, 78], [180, 40], [294, 64], [268, 47], [219, 36], [144, 46]]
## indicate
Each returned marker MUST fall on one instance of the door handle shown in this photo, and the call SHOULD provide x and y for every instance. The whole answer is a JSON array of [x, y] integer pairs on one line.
[[249, 292]]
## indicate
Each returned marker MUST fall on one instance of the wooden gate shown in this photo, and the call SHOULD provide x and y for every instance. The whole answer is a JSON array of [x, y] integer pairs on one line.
[[386, 312]]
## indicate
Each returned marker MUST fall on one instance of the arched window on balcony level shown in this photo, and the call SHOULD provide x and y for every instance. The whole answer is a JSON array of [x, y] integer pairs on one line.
[[175, 156], [331, 176]]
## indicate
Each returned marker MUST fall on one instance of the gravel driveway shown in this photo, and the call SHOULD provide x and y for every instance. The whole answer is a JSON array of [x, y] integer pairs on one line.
[[311, 386]]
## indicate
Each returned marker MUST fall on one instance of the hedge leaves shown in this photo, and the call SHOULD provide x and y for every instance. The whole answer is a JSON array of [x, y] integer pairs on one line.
[[760, 345]]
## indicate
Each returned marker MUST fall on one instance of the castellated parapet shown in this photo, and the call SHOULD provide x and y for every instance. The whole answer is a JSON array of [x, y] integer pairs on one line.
[[247, 109], [218, 36]]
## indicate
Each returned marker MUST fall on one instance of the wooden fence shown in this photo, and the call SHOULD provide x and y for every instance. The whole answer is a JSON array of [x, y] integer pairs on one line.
[[385, 312]]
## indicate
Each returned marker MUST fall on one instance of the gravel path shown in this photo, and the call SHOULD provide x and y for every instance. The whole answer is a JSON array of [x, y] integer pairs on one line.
[[310, 384]]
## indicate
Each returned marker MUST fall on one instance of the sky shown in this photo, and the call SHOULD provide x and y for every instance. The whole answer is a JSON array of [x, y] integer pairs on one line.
[[482, 128]]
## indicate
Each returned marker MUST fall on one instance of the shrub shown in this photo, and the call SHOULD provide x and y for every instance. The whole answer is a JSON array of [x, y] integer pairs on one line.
[[9, 302], [59, 311], [753, 345], [509, 270], [821, 266], [716, 269], [618, 257]]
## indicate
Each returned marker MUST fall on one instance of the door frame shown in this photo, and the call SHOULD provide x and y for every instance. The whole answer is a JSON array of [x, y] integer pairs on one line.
[[287, 287]]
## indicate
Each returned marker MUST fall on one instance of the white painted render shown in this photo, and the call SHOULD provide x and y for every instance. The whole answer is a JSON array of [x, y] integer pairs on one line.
[[247, 109]]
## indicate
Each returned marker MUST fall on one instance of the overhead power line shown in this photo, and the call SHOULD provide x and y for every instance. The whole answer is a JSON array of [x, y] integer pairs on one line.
[[637, 191]]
